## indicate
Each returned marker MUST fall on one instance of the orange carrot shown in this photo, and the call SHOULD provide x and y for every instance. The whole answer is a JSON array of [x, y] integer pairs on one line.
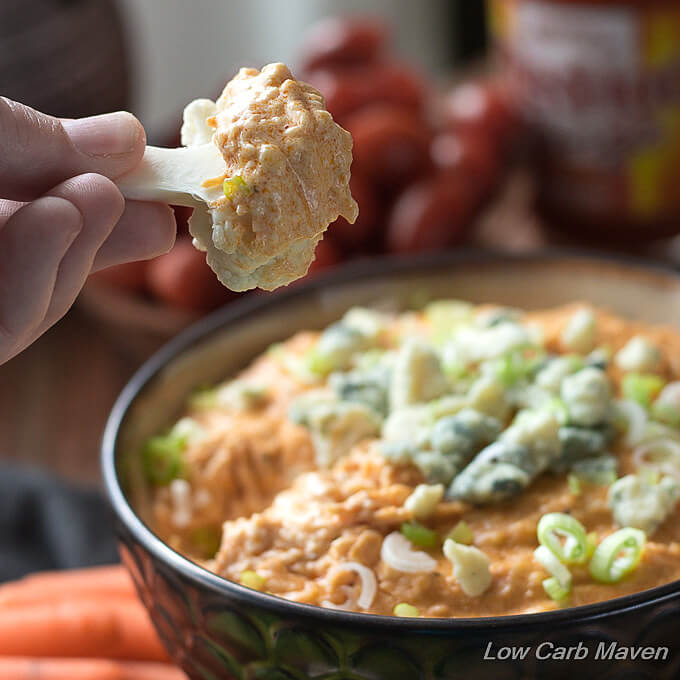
[[43, 587], [23, 668], [89, 628]]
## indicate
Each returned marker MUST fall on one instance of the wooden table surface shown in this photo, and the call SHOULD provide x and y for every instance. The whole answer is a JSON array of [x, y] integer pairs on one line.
[[56, 395]]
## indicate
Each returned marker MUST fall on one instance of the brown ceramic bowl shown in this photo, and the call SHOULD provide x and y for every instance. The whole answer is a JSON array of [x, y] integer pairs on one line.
[[214, 628]]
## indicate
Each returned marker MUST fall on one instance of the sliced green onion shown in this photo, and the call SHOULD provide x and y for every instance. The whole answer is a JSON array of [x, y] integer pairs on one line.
[[189, 429], [445, 316], [369, 359], [207, 540], [576, 362], [617, 555], [651, 476], [293, 364], [666, 413], [554, 590], [404, 609], [559, 408], [251, 579], [241, 394], [556, 525], [641, 387], [547, 559], [591, 542], [455, 370], [203, 399], [516, 366], [319, 363], [162, 458], [461, 533], [420, 535], [509, 369], [574, 485], [233, 184]]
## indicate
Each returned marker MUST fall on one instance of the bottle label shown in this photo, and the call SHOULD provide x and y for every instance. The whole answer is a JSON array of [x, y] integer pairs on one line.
[[600, 85]]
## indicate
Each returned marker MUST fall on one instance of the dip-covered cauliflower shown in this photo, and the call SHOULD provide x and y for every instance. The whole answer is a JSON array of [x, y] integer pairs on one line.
[[286, 178]]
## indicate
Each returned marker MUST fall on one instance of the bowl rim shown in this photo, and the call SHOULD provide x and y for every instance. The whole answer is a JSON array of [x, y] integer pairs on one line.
[[356, 271]]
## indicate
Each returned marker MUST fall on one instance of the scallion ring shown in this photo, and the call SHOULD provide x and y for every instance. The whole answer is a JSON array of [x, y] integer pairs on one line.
[[547, 559], [554, 590], [617, 555], [162, 459], [405, 609], [461, 533], [420, 535], [554, 527]]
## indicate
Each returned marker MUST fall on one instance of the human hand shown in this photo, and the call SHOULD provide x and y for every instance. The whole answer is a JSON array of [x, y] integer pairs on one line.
[[61, 216]]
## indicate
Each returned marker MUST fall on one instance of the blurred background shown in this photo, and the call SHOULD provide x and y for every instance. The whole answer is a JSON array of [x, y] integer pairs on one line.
[[512, 124]]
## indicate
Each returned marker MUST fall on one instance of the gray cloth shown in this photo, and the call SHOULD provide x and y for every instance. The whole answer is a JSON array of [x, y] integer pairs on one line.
[[46, 523]]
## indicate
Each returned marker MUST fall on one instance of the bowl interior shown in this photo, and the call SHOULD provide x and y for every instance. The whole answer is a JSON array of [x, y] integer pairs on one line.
[[224, 343]]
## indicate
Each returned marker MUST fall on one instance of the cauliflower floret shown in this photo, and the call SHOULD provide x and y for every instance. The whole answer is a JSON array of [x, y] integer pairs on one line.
[[580, 332], [639, 355], [556, 370], [245, 270], [195, 128], [242, 395], [424, 499], [336, 428], [472, 344], [336, 348], [470, 567], [642, 504], [369, 322], [302, 406], [488, 395], [417, 375], [538, 431], [587, 396], [410, 424]]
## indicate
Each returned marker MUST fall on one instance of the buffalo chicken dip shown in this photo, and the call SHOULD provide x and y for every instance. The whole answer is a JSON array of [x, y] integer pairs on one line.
[[452, 462]]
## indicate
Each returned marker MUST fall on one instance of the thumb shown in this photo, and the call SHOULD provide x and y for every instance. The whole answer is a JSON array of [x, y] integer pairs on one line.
[[37, 151]]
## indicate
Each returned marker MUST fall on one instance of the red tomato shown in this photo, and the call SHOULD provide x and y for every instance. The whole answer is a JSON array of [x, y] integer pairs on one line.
[[480, 107], [342, 40], [391, 146], [130, 276], [432, 214], [476, 156], [183, 279], [347, 90], [355, 236], [327, 255]]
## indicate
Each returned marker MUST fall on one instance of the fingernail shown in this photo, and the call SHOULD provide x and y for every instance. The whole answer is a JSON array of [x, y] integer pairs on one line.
[[110, 134]]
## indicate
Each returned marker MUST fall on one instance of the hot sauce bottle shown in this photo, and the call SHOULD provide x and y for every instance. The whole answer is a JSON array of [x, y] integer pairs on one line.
[[597, 83]]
